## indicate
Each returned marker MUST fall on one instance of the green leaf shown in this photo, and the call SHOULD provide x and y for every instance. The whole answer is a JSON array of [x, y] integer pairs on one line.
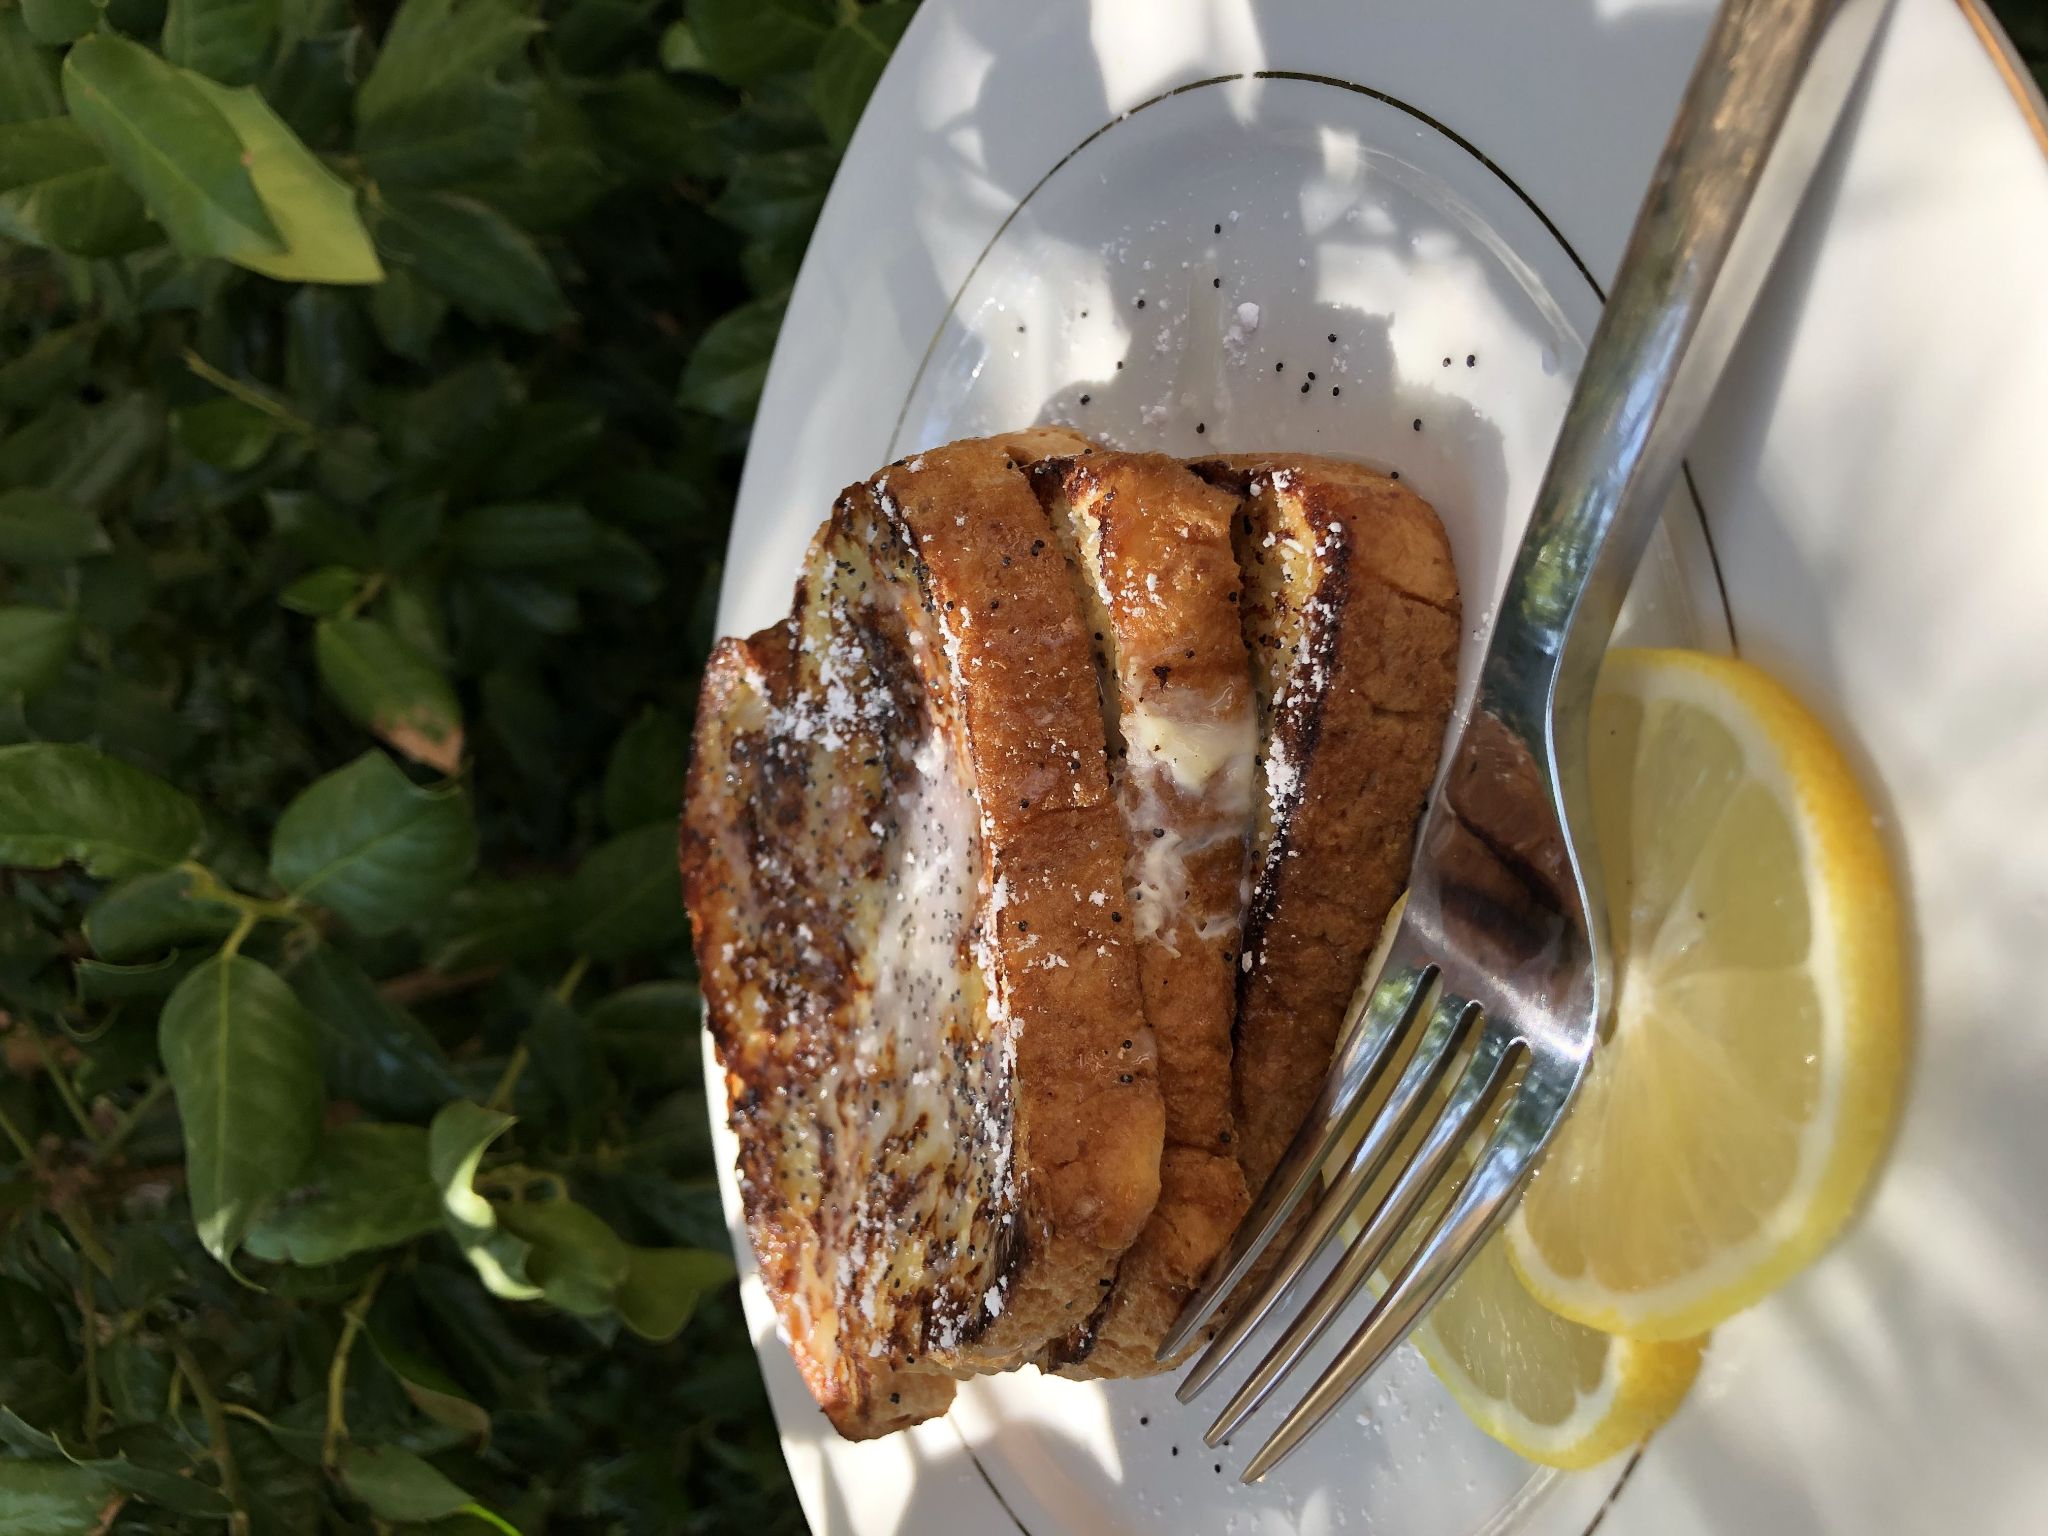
[[665, 1007], [182, 1494], [681, 53], [351, 465], [541, 442], [58, 191], [386, 685], [103, 448], [663, 1286], [65, 802], [562, 171], [174, 1492], [29, 452], [655, 128], [313, 210], [407, 314], [226, 39], [566, 1067], [777, 194], [472, 1331], [431, 1390], [578, 1262], [531, 601], [523, 533], [497, 921], [725, 373], [324, 592], [451, 134], [38, 528], [627, 896], [56, 22], [316, 530], [367, 1188], [456, 1143], [434, 46], [373, 847], [162, 131], [619, 566], [244, 1062], [451, 416], [286, 1489], [38, 1372], [34, 645], [472, 255], [372, 1052], [227, 433], [327, 350], [651, 1034], [139, 918], [54, 362], [100, 982], [407, 528], [745, 41], [591, 36], [49, 1498], [399, 1485], [138, 1376], [28, 74], [312, 79], [17, 1434], [438, 107], [850, 63], [644, 781]]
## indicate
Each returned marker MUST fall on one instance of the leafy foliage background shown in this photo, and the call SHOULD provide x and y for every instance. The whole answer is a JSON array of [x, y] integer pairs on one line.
[[373, 382]]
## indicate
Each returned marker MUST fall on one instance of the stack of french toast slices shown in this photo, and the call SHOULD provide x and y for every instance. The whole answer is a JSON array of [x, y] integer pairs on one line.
[[1032, 861]]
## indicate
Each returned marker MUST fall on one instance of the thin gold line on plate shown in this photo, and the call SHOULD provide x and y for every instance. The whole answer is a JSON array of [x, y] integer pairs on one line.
[[2006, 60]]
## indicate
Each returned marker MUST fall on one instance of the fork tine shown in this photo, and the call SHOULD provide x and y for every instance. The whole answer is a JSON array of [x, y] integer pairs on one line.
[[1471, 1100], [1448, 1025], [1395, 1000], [1479, 1207]]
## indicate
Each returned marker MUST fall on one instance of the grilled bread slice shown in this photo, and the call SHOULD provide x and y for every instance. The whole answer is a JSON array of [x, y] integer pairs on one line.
[[1351, 616], [1150, 545], [937, 1064]]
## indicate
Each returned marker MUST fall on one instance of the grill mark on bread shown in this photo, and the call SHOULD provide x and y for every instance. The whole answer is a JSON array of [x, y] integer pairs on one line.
[[1357, 660]]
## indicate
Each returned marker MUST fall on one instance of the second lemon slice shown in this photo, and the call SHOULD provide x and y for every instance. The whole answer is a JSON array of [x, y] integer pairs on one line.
[[1554, 1391], [1746, 1091]]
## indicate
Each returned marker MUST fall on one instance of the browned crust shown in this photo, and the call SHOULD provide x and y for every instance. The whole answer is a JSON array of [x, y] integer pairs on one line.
[[1089, 1123], [769, 897], [1359, 651], [1152, 546], [724, 822]]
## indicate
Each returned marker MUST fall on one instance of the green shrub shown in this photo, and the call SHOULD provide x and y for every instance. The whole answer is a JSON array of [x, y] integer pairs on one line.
[[373, 379]]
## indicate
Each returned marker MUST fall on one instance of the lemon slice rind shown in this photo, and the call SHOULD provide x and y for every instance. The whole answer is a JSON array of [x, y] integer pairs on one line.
[[1854, 963]]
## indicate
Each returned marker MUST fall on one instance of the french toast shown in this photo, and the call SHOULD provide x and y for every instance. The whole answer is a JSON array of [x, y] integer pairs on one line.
[[1031, 862], [1150, 545], [938, 1067], [1351, 617]]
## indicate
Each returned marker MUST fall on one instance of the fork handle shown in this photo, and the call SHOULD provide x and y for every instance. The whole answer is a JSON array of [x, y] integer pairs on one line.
[[1764, 97], [1763, 100]]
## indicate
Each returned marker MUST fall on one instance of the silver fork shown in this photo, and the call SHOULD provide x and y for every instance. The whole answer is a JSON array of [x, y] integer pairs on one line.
[[1501, 959]]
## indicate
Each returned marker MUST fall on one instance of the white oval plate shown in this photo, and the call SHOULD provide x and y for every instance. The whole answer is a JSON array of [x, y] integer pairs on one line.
[[1866, 514]]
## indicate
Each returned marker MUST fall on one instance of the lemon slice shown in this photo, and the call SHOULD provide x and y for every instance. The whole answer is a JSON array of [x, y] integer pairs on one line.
[[1553, 1391], [1736, 1110]]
